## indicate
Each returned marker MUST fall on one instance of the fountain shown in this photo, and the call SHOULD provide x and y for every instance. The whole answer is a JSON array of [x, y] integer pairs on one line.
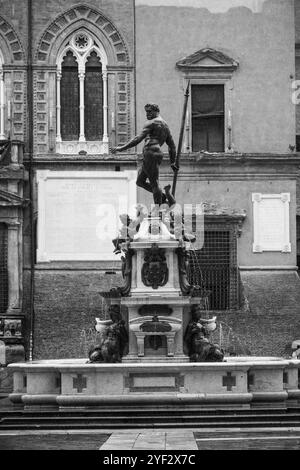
[[163, 352]]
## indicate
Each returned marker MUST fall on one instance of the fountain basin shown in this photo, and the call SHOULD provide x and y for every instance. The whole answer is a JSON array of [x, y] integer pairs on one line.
[[240, 381]]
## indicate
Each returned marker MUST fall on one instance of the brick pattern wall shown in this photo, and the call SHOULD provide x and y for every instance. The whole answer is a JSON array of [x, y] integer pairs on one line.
[[272, 320], [66, 304]]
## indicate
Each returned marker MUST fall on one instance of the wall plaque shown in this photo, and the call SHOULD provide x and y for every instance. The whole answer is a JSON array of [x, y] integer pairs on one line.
[[78, 213], [271, 222]]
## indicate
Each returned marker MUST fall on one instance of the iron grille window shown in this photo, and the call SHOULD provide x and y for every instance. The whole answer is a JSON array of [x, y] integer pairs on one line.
[[3, 269], [214, 268]]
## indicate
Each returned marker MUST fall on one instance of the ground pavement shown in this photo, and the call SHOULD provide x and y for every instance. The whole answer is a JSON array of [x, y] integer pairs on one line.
[[158, 439]]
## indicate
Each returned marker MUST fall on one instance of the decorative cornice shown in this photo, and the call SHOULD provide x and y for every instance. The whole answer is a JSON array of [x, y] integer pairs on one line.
[[220, 61], [195, 158]]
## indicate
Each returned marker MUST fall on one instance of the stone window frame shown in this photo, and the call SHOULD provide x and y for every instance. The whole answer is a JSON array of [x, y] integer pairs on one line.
[[81, 57], [219, 71]]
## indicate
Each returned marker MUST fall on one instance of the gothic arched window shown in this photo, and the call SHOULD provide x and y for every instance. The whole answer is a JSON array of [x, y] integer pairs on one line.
[[69, 98], [82, 96], [93, 98]]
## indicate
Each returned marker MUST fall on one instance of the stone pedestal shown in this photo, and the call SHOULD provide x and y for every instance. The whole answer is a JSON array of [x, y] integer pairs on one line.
[[155, 295]]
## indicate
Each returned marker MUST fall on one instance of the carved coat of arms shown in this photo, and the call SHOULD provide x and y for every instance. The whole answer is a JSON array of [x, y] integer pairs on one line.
[[155, 272]]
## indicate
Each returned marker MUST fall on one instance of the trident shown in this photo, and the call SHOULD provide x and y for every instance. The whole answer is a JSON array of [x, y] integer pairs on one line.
[[186, 97]]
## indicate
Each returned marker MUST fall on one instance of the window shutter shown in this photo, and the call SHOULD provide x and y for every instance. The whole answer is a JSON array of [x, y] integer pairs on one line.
[[208, 118]]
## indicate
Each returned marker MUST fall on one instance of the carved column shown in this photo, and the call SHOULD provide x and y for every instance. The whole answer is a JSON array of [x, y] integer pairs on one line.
[[13, 265], [2, 135], [58, 107], [81, 76], [105, 112]]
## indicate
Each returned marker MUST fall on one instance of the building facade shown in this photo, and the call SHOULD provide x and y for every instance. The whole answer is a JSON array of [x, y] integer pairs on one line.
[[74, 79]]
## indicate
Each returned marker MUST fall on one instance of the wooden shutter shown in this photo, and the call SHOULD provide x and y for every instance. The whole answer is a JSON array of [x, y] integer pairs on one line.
[[69, 98], [93, 98], [208, 118]]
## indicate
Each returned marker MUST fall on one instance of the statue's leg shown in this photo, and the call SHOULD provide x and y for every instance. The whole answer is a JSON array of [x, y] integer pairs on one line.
[[153, 175], [141, 181]]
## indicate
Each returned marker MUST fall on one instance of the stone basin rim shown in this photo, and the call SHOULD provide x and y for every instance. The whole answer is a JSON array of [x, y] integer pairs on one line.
[[231, 362]]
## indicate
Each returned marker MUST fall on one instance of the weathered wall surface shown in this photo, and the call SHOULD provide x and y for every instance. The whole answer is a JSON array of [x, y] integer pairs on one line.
[[66, 304], [273, 319], [263, 44]]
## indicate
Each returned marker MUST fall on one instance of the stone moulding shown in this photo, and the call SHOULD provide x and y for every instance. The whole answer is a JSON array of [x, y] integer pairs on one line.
[[75, 383]]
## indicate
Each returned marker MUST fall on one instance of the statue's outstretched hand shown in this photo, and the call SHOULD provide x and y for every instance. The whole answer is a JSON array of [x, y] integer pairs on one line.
[[174, 167], [115, 149]]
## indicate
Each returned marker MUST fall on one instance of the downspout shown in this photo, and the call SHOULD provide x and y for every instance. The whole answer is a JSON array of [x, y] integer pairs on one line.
[[31, 175]]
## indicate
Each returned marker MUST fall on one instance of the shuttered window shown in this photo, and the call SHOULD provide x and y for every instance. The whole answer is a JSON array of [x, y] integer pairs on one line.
[[208, 118], [93, 98], [69, 98], [3, 269]]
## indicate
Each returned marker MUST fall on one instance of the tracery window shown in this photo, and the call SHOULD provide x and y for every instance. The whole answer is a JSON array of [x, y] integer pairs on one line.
[[82, 96]]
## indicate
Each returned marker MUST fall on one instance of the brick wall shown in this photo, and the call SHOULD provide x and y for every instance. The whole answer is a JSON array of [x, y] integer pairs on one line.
[[272, 320], [66, 303]]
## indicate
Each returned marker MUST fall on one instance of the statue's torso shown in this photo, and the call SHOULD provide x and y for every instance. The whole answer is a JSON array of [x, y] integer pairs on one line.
[[157, 132]]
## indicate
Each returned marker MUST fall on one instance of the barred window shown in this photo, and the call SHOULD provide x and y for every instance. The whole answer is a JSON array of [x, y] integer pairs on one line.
[[3, 269], [214, 268]]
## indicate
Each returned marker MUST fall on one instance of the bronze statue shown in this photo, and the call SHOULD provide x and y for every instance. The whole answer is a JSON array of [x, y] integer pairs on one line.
[[114, 340], [155, 133], [200, 349]]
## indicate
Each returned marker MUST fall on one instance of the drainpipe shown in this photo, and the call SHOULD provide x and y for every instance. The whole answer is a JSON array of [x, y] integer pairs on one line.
[[31, 175]]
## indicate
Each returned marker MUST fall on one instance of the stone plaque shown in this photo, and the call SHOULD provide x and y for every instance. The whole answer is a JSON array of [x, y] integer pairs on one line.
[[271, 222], [154, 382], [78, 213]]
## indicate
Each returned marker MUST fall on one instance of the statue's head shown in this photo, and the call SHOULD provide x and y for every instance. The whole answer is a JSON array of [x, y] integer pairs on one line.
[[152, 110]]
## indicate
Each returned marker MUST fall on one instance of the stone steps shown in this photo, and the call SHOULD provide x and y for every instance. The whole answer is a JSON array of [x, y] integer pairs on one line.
[[63, 426], [124, 420]]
